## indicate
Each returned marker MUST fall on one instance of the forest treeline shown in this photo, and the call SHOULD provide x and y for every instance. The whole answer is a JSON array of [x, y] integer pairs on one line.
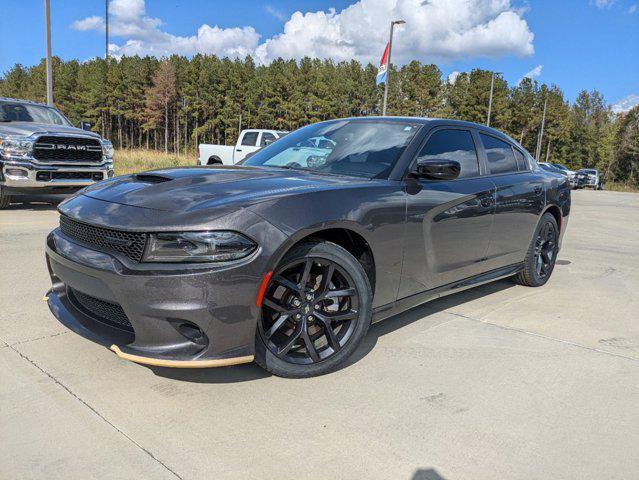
[[173, 104]]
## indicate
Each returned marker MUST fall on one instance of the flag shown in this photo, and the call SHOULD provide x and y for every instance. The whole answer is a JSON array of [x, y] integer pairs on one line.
[[383, 65]]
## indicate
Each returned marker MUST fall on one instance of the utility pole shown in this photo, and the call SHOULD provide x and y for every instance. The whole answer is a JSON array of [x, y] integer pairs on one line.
[[388, 64], [47, 20], [541, 132], [106, 24], [490, 99]]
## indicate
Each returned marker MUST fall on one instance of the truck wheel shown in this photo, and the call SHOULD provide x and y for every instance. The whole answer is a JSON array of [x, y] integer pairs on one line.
[[5, 199], [214, 161]]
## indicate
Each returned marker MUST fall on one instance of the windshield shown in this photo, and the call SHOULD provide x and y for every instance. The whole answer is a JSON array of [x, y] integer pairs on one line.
[[589, 172], [358, 148], [26, 112]]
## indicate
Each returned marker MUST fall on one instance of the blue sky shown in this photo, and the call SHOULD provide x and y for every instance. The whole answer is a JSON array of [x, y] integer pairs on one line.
[[579, 44]]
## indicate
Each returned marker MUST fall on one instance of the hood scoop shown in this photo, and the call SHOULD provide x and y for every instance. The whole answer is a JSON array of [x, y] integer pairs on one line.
[[151, 178]]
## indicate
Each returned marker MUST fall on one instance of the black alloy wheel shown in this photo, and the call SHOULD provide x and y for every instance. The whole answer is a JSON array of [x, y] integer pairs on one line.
[[315, 311], [542, 253], [545, 249]]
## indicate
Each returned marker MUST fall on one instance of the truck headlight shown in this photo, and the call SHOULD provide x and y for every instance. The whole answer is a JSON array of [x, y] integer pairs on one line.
[[107, 149], [215, 246], [14, 145]]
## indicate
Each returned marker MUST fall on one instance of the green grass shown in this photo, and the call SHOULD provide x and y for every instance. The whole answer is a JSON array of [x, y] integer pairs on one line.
[[621, 187], [134, 161]]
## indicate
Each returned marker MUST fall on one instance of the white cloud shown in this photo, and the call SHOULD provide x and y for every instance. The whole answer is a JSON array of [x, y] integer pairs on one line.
[[626, 104], [452, 76], [275, 12], [603, 3], [534, 73], [632, 8], [436, 30], [89, 23]]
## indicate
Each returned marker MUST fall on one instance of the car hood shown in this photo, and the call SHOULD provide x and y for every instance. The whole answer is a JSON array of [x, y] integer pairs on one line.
[[194, 188], [29, 128]]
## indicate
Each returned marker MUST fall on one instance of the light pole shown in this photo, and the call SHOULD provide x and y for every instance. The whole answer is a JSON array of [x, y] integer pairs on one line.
[[540, 138], [47, 21], [388, 64], [106, 29], [490, 99]]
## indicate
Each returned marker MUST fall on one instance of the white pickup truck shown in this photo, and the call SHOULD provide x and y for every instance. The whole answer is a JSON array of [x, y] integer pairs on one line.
[[249, 141]]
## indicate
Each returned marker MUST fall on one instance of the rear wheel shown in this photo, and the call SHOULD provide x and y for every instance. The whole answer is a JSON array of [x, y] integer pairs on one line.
[[315, 311], [542, 253], [5, 199]]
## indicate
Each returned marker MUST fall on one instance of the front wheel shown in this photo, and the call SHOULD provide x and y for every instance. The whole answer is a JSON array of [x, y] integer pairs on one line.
[[315, 311], [542, 253]]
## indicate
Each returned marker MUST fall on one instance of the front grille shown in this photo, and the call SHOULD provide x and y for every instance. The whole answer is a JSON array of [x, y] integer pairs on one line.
[[101, 310], [74, 175], [53, 148], [130, 244]]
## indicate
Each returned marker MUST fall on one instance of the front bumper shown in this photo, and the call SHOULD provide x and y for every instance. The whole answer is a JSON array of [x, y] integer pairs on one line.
[[164, 307], [27, 177]]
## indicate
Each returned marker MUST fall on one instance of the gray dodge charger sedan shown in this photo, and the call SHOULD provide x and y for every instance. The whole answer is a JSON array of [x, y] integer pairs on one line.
[[288, 258]]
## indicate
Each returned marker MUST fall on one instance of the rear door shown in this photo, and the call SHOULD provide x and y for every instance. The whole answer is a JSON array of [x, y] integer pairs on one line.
[[520, 199], [248, 142], [448, 221]]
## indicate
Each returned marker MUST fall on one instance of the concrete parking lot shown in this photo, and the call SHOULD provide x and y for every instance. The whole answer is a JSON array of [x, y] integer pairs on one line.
[[497, 382]]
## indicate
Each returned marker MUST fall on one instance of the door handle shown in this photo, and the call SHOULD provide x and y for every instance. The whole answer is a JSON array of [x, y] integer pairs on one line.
[[238, 149]]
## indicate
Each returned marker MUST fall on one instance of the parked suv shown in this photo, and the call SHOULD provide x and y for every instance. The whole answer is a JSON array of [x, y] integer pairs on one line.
[[41, 152], [590, 177]]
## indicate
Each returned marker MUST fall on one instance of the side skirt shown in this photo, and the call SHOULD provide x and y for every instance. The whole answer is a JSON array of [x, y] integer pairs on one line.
[[399, 306]]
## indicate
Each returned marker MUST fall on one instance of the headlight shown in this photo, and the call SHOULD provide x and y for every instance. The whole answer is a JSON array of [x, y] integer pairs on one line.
[[14, 145], [107, 149], [219, 246]]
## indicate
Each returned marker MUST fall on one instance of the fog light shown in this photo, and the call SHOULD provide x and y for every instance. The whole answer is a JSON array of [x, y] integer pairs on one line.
[[16, 172], [193, 333], [43, 176]]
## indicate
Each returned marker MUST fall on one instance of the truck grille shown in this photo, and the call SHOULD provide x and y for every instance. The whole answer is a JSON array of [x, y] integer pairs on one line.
[[107, 312], [53, 148], [130, 244]]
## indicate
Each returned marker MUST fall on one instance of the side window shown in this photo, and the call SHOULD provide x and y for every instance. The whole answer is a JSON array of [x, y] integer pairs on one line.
[[522, 164], [250, 139], [455, 145], [500, 155], [267, 136]]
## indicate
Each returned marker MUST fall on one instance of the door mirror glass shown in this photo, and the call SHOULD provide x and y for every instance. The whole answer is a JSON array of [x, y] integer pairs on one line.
[[438, 169]]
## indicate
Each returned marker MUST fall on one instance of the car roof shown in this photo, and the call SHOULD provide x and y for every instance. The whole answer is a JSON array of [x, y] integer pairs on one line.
[[436, 122], [17, 100]]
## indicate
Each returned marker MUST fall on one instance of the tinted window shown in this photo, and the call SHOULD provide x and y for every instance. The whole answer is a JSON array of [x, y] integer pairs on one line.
[[345, 147], [455, 145], [250, 139], [267, 136], [500, 155], [522, 164]]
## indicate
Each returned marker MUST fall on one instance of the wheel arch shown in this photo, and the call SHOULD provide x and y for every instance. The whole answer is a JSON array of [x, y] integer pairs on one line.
[[555, 211], [214, 160], [349, 236]]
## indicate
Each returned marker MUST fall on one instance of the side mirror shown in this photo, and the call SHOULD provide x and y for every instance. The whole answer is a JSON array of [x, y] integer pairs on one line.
[[437, 169], [85, 125], [268, 142]]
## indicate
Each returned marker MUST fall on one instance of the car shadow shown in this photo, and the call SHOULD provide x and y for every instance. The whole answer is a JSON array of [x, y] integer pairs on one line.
[[427, 474], [248, 372], [35, 203], [403, 319]]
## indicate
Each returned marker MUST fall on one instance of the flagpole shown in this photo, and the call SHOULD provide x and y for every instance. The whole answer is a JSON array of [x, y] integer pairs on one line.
[[388, 63]]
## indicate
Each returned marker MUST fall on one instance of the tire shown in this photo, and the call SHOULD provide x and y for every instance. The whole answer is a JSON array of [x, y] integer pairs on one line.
[[543, 248], [5, 200], [309, 308]]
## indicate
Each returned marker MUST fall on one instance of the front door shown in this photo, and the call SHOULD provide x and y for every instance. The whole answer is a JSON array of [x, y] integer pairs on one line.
[[248, 143], [449, 222]]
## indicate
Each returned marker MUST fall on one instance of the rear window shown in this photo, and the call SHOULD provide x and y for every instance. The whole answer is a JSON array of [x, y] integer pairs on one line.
[[455, 145], [522, 163], [250, 139], [499, 154]]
